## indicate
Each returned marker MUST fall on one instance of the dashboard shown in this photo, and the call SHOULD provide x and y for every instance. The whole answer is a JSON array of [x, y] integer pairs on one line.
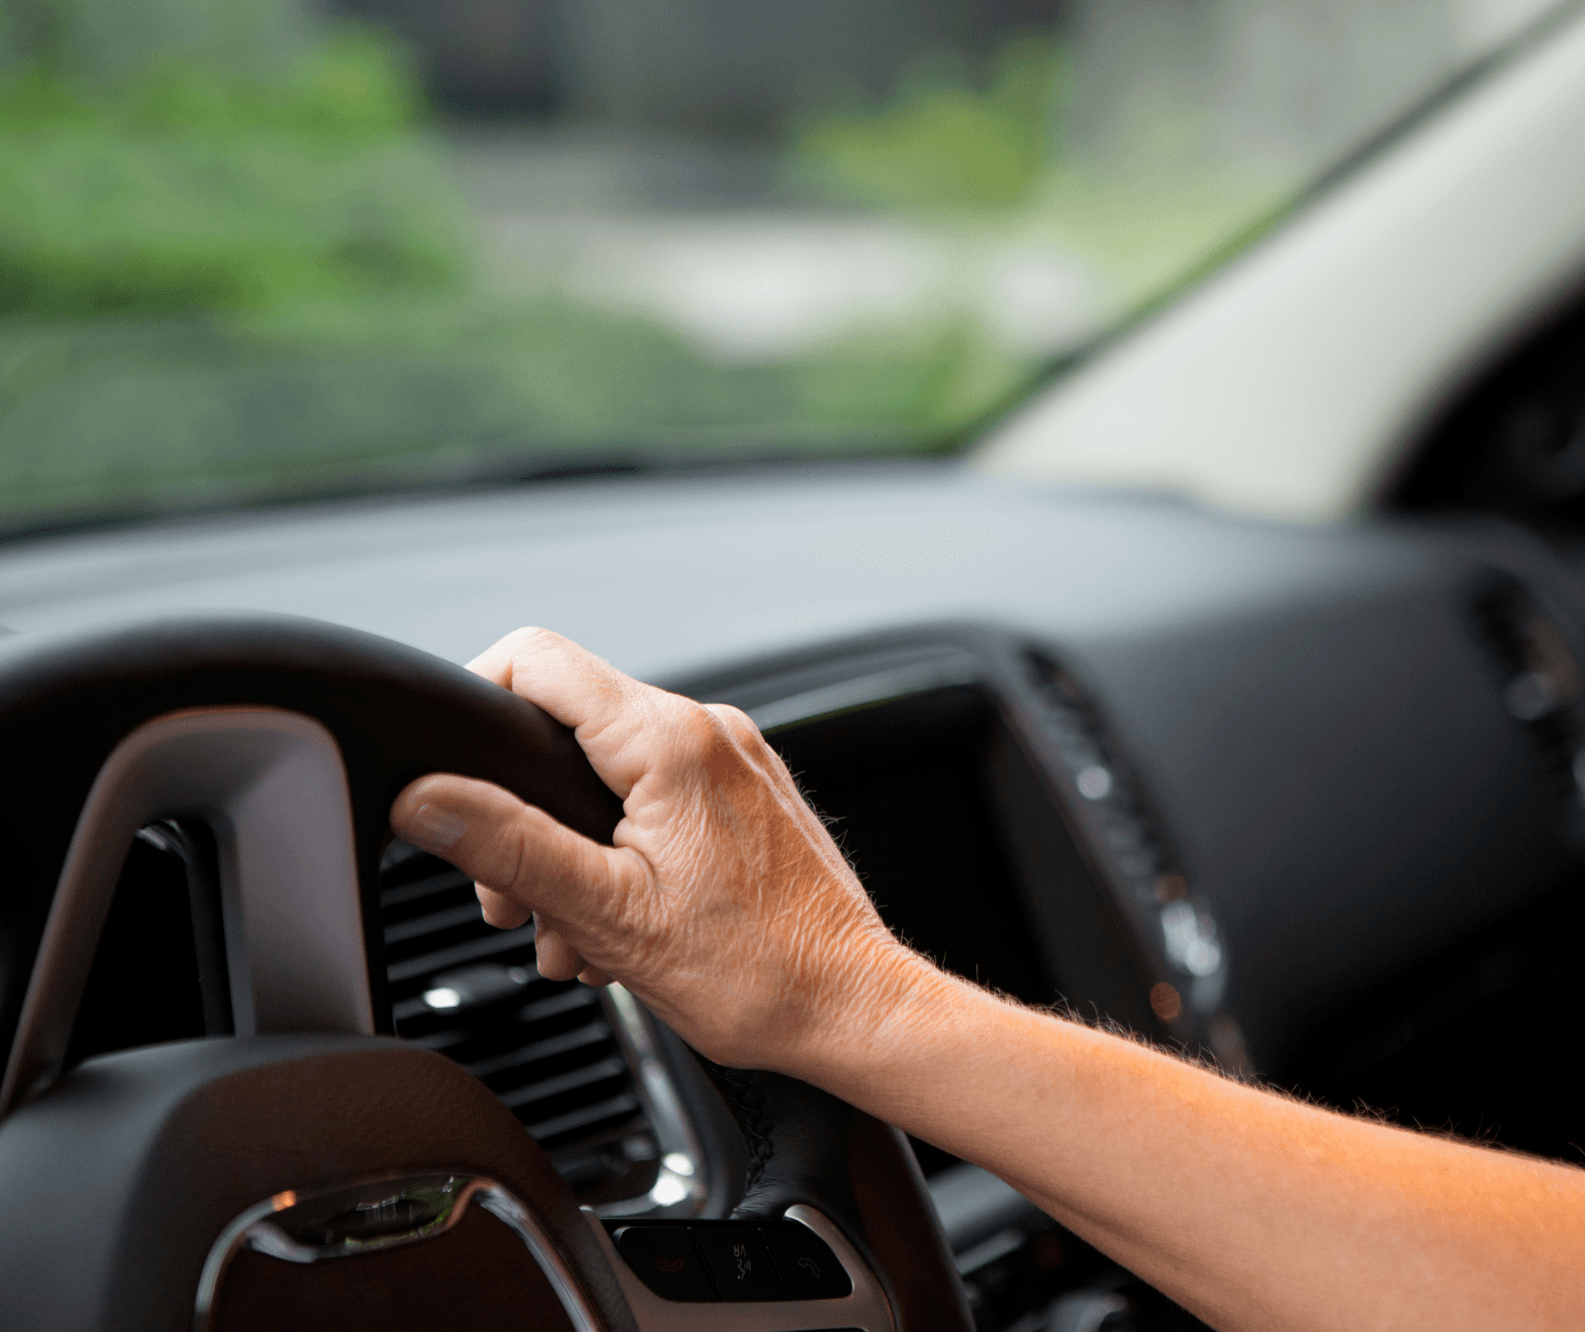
[[1298, 801]]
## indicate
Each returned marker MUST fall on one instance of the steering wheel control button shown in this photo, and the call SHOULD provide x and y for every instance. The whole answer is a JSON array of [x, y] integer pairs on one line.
[[740, 1263], [664, 1259], [808, 1268]]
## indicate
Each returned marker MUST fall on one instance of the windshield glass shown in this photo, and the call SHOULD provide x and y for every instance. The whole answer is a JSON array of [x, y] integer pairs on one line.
[[255, 248]]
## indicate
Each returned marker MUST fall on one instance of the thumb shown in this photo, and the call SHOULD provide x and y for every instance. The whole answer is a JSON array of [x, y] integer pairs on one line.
[[524, 858]]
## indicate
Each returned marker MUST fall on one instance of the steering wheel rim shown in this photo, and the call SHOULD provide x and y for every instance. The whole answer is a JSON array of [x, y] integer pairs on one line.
[[198, 716]]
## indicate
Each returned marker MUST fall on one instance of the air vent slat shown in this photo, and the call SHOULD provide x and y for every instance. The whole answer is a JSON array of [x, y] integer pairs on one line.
[[566, 1002], [615, 1108], [544, 1090], [433, 923], [442, 1042], [430, 885], [493, 945], [531, 1054]]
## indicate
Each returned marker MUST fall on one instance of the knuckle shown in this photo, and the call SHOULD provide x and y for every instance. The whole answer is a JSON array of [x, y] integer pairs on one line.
[[609, 686], [529, 641], [699, 734], [520, 860], [519, 638], [738, 723]]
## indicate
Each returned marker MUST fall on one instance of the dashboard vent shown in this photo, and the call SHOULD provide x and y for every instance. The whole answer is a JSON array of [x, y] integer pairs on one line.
[[1155, 890], [1542, 687], [1110, 795], [546, 1048]]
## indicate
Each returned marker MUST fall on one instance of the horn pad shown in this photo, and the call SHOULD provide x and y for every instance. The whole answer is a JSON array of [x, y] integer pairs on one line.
[[120, 1179]]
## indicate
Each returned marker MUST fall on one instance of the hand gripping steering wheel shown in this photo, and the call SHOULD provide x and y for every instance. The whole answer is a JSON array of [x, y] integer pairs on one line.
[[312, 1162]]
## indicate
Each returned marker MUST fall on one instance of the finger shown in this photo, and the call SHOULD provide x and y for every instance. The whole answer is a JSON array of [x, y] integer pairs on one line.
[[555, 958], [518, 851], [576, 687], [495, 662], [609, 711], [500, 910]]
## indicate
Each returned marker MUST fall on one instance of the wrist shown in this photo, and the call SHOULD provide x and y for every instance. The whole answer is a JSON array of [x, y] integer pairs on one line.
[[875, 1022]]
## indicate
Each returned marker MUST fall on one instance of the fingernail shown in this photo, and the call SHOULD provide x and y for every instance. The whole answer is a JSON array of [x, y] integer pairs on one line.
[[433, 828]]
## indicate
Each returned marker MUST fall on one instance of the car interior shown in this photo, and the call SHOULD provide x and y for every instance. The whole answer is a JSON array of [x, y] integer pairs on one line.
[[1293, 787]]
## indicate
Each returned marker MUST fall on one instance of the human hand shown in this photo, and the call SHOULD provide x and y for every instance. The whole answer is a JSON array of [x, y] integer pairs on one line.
[[723, 904]]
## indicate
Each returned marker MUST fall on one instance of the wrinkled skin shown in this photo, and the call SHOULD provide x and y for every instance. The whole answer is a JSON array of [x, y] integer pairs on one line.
[[724, 904]]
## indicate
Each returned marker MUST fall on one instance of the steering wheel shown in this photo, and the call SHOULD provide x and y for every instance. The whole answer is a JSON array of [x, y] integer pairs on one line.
[[311, 1170]]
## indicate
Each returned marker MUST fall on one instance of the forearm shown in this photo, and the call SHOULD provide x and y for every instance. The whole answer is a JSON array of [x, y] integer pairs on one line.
[[1250, 1209]]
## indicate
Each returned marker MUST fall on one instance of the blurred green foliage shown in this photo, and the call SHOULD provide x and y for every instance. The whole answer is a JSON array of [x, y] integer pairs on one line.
[[117, 414], [993, 153], [181, 185], [105, 45], [942, 142]]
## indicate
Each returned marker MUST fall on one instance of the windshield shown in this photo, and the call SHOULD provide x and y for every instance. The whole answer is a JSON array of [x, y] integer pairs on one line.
[[258, 248]]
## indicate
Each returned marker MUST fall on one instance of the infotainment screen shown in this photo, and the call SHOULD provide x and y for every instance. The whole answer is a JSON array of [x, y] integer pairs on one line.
[[904, 786]]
